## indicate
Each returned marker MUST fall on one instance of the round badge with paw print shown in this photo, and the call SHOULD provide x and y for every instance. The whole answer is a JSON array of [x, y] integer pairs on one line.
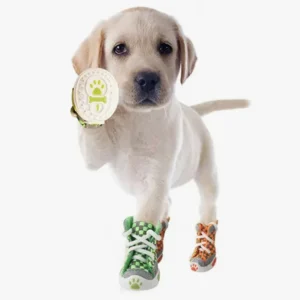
[[95, 96]]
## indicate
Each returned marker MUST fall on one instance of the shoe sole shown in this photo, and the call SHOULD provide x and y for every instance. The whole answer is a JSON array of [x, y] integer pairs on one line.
[[138, 283], [95, 96], [197, 268]]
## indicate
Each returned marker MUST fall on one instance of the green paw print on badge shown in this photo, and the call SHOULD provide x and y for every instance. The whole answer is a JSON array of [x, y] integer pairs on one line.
[[97, 93], [135, 284]]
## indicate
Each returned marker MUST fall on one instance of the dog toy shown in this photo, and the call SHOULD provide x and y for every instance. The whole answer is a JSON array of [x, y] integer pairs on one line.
[[95, 97]]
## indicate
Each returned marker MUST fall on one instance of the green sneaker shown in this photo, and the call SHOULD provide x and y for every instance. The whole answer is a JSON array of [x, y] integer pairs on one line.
[[140, 270]]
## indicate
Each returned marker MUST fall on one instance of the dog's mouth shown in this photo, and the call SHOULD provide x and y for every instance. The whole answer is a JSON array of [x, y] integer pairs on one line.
[[148, 98], [147, 102], [145, 105]]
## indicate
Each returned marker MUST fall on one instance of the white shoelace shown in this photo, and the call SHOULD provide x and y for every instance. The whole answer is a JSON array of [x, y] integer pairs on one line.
[[142, 240], [201, 245]]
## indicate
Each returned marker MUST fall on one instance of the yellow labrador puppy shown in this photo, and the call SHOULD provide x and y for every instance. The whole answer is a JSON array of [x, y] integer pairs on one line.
[[153, 142]]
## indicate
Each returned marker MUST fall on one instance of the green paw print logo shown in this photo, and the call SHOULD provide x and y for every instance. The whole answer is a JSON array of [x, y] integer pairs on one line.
[[98, 93], [135, 284]]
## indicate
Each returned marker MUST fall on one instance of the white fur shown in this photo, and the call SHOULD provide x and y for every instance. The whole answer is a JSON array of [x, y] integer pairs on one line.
[[150, 149], [151, 152]]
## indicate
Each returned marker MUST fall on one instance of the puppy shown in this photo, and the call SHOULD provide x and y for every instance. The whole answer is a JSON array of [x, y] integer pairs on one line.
[[152, 142]]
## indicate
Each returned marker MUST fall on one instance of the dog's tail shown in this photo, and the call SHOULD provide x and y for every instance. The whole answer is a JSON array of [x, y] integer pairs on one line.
[[211, 106]]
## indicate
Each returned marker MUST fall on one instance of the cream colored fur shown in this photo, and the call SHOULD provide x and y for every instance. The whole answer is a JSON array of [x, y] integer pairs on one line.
[[150, 149]]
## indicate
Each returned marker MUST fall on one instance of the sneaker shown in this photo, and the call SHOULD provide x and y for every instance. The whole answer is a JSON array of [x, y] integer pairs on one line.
[[140, 270], [204, 256], [160, 244]]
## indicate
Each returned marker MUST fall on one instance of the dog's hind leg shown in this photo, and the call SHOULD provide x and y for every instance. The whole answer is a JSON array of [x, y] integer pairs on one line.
[[207, 182], [204, 255], [167, 207], [165, 224]]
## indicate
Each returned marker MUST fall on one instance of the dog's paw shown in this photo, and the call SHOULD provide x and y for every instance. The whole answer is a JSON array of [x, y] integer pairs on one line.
[[194, 267]]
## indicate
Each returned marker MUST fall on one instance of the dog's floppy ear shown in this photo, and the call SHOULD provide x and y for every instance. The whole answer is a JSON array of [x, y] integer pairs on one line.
[[187, 55], [90, 52]]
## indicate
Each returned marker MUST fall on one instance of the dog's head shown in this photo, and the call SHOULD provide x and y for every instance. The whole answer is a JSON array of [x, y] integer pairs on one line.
[[144, 49]]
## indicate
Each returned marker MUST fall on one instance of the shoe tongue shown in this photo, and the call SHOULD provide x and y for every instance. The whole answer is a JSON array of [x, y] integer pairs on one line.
[[128, 223], [140, 228]]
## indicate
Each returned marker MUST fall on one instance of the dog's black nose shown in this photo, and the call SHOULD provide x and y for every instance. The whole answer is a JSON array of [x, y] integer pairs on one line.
[[147, 80]]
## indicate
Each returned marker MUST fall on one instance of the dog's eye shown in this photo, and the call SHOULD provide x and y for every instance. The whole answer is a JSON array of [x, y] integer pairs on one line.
[[120, 49], [165, 49]]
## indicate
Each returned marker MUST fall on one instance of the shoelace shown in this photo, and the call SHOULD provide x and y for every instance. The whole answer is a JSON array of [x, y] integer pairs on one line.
[[142, 240], [201, 245]]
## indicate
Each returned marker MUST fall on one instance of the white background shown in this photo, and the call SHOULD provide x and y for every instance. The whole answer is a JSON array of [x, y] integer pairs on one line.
[[61, 225]]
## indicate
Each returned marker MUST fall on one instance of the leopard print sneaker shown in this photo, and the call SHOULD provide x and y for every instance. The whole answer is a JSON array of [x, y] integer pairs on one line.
[[160, 244], [204, 256]]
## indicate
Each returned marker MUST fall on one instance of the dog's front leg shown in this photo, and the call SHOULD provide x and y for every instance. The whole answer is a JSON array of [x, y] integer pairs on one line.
[[145, 232], [152, 202], [96, 147]]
